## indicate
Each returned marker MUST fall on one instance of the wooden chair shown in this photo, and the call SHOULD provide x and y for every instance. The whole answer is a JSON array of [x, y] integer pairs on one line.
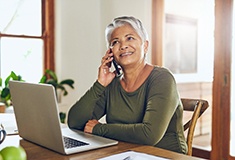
[[197, 106]]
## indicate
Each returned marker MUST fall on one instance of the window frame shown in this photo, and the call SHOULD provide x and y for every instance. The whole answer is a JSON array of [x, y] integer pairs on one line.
[[222, 84], [47, 34]]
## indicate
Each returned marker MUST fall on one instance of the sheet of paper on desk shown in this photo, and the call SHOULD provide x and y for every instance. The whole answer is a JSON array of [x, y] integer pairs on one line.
[[132, 155], [7, 120]]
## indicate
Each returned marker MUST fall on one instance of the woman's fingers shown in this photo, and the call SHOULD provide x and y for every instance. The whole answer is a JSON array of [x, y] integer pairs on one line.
[[90, 125], [107, 57], [105, 76], [106, 60]]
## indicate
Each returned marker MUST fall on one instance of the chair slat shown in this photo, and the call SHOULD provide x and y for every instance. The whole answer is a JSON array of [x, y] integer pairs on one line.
[[198, 107]]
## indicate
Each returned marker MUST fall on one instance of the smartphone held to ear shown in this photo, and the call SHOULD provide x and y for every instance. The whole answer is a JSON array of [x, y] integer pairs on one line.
[[118, 72]]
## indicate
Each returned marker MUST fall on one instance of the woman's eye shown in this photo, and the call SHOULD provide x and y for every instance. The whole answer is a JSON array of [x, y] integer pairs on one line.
[[113, 43], [130, 38]]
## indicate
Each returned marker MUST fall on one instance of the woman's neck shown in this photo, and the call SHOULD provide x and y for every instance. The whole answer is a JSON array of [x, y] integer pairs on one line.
[[134, 77]]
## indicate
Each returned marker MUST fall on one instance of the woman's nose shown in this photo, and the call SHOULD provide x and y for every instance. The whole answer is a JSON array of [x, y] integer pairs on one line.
[[123, 47]]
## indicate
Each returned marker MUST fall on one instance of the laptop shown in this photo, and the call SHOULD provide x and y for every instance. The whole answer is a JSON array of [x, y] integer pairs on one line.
[[37, 118]]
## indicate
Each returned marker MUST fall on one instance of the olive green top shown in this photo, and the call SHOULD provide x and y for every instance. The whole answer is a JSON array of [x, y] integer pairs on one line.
[[151, 115]]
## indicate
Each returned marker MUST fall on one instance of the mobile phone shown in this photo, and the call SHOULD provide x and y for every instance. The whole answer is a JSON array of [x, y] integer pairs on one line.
[[118, 72]]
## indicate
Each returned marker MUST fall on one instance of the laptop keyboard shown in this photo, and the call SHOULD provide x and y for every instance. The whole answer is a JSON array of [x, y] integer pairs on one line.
[[70, 143]]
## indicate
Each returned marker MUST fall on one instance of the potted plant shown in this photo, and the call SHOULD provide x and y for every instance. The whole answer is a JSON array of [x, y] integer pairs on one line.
[[5, 96], [50, 77]]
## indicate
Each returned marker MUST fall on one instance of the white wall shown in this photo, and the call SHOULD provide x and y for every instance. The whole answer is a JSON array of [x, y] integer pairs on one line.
[[80, 41]]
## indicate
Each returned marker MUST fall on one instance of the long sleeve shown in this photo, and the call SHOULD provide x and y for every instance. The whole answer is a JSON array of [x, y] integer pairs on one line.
[[145, 115], [82, 110], [151, 115]]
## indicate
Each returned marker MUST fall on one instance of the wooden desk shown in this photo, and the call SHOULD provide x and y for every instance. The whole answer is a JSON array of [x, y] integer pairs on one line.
[[35, 152]]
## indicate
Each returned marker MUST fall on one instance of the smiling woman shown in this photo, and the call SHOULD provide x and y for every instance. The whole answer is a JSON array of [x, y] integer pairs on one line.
[[142, 105], [125, 44]]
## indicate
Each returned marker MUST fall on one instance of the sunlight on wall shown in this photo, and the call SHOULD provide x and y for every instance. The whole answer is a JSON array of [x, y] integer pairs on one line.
[[203, 12]]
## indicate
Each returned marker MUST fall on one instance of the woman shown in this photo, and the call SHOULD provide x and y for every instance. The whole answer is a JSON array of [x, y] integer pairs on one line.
[[142, 105]]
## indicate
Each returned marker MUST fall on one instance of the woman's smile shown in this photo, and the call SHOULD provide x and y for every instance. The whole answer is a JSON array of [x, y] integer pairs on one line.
[[126, 54]]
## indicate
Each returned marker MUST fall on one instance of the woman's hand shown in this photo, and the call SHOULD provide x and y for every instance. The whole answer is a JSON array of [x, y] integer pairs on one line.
[[90, 125], [105, 75]]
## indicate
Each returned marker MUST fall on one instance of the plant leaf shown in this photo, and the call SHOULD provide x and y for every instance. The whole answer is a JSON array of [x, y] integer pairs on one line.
[[52, 74], [62, 117], [59, 86], [52, 82], [43, 79], [68, 82], [63, 89], [65, 92], [7, 80], [5, 92], [13, 76]]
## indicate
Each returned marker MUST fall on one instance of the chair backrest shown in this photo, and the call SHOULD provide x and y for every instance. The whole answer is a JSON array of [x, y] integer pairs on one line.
[[198, 107]]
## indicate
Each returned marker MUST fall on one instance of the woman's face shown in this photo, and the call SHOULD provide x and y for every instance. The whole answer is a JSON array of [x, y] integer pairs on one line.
[[127, 46]]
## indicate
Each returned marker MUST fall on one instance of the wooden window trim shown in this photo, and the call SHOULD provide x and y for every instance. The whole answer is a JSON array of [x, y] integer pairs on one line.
[[221, 84], [158, 19], [48, 33]]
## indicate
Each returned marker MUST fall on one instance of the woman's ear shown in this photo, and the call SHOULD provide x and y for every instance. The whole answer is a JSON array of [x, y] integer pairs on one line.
[[146, 46]]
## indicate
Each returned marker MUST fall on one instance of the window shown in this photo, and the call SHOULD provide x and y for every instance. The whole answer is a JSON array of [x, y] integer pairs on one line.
[[183, 41], [222, 141], [180, 54], [26, 38], [188, 49]]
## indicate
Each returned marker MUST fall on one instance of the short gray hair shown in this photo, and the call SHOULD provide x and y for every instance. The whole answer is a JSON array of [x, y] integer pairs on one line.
[[135, 23]]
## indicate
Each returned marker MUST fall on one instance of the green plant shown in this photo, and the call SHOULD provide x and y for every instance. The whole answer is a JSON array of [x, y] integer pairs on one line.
[[62, 117], [50, 77], [5, 91]]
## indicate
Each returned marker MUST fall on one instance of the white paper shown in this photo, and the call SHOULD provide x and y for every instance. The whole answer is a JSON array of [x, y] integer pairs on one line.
[[7, 120], [132, 155]]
